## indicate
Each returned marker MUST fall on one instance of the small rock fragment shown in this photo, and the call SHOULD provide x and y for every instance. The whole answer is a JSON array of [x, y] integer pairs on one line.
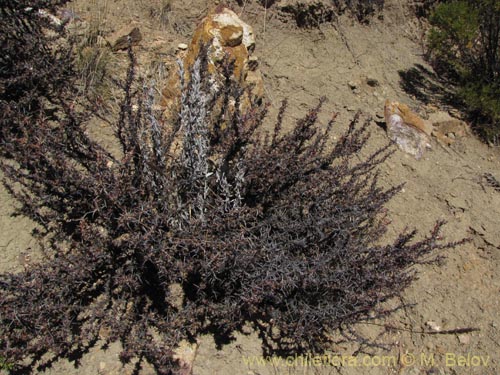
[[182, 46], [464, 339], [133, 37], [433, 371], [372, 82], [433, 326]]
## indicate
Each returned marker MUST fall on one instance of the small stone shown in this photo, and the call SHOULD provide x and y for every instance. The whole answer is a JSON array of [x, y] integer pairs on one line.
[[464, 339], [133, 37], [352, 85], [372, 82], [439, 349], [433, 326], [433, 371], [102, 365], [182, 46], [467, 266]]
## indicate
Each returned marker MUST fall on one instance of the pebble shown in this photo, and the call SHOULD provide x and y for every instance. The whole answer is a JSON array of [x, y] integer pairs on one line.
[[182, 46], [464, 339], [372, 82], [433, 325]]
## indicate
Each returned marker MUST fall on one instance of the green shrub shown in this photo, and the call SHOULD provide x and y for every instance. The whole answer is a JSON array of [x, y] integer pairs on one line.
[[483, 101], [465, 47]]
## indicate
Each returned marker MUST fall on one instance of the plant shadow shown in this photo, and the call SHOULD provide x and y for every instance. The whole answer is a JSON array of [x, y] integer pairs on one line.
[[429, 88]]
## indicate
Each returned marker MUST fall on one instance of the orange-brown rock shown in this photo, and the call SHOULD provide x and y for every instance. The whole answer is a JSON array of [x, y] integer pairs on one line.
[[410, 132], [409, 117], [226, 36]]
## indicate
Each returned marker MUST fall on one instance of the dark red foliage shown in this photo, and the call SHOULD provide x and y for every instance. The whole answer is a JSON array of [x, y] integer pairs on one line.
[[275, 230]]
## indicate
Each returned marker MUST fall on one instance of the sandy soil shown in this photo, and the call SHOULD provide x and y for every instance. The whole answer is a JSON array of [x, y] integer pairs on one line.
[[446, 184]]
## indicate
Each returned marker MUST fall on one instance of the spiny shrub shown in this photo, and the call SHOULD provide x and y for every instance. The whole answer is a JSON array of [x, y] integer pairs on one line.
[[274, 229], [33, 77]]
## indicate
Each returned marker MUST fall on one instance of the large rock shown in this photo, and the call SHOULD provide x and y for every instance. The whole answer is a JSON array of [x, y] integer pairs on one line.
[[409, 131], [226, 36]]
